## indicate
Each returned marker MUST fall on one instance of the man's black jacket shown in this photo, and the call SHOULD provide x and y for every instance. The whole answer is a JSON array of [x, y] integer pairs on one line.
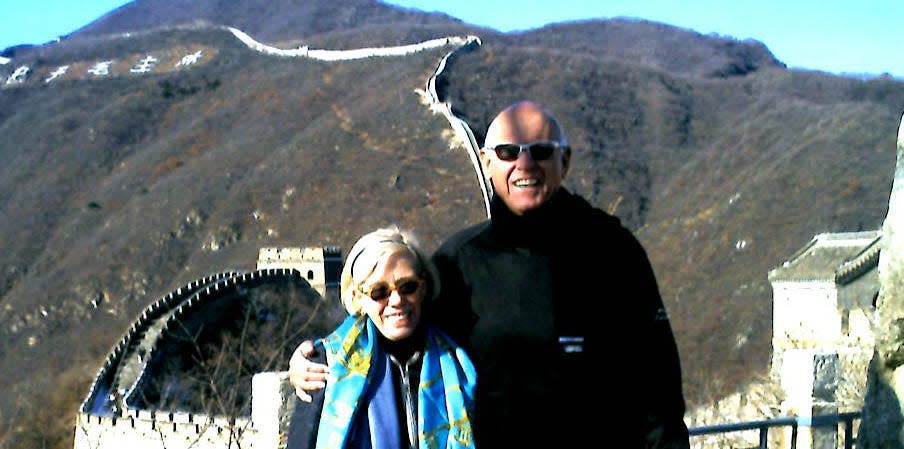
[[561, 312]]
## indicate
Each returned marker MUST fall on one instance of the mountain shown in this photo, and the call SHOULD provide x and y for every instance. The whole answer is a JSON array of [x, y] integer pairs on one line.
[[119, 188]]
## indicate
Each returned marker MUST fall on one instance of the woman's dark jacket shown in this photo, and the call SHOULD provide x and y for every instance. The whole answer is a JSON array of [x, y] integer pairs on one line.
[[561, 313]]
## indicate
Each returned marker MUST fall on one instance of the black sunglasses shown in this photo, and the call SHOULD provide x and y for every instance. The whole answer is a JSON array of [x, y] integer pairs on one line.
[[539, 151], [382, 291]]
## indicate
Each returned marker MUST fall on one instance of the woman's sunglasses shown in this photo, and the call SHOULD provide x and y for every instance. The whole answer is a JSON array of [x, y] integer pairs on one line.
[[539, 151], [382, 290]]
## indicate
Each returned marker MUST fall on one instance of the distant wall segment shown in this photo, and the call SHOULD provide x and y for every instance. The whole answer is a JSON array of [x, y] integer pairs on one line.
[[99, 396], [107, 419], [464, 137], [358, 53]]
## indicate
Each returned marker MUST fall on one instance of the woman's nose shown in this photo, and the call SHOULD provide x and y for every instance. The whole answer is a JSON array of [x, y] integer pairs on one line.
[[395, 297]]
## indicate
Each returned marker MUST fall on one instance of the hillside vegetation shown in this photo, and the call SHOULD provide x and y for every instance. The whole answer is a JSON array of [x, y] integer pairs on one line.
[[118, 189]]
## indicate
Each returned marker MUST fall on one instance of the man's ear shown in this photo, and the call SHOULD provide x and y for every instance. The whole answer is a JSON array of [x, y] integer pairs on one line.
[[566, 160], [485, 159]]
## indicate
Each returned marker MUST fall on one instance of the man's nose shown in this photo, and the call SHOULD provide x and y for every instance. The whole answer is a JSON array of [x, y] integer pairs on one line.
[[524, 159]]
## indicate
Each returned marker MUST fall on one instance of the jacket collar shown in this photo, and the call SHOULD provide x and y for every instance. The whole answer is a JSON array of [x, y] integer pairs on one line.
[[534, 228]]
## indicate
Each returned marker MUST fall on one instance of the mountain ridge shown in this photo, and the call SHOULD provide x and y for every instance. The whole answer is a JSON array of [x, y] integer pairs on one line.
[[121, 189]]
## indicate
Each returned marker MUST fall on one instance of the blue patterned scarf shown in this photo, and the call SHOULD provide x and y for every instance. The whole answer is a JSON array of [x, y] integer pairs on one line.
[[445, 391]]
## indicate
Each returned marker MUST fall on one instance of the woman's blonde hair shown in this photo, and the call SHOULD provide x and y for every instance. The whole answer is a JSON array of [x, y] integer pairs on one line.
[[371, 248]]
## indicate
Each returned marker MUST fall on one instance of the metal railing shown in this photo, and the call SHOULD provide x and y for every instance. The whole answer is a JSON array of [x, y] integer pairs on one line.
[[846, 420]]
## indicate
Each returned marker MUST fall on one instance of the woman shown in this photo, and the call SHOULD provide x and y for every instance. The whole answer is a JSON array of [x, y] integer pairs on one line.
[[394, 381]]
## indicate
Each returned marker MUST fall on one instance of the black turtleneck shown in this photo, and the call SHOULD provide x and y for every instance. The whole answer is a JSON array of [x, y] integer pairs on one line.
[[533, 228], [403, 349]]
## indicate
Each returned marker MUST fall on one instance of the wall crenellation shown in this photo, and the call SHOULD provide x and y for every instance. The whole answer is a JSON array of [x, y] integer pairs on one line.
[[134, 336], [146, 429]]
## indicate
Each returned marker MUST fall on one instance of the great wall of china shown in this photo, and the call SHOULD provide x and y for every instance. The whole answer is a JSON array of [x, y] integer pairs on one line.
[[109, 418]]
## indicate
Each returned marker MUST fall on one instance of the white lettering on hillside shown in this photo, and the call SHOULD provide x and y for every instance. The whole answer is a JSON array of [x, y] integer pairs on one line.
[[60, 71], [145, 65], [18, 76], [101, 68], [190, 59]]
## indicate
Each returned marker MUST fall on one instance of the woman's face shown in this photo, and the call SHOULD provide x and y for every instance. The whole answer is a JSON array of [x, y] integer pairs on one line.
[[392, 296]]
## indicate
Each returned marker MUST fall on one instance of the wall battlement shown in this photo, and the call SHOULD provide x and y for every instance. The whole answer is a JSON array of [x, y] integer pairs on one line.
[[273, 399], [148, 430]]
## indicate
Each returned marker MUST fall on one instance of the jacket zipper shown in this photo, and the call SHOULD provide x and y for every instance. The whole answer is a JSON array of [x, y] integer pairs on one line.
[[408, 399]]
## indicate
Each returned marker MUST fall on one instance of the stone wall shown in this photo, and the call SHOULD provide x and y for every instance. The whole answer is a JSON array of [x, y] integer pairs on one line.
[[147, 430], [272, 401]]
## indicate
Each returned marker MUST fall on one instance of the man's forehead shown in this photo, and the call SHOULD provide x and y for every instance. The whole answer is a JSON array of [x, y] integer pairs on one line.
[[516, 132]]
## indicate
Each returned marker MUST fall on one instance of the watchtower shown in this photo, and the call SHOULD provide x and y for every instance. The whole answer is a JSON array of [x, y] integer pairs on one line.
[[822, 326], [316, 264]]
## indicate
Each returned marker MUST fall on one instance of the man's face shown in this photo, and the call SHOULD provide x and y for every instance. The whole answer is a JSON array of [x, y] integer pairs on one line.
[[524, 184]]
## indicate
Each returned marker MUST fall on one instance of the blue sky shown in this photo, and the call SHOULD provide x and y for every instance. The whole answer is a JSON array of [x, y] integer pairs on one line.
[[836, 36]]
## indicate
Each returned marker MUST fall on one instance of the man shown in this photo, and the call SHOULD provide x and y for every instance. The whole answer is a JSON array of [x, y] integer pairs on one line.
[[558, 306]]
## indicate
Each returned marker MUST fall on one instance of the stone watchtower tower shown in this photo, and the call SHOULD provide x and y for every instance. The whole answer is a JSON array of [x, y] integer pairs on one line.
[[822, 339], [316, 264]]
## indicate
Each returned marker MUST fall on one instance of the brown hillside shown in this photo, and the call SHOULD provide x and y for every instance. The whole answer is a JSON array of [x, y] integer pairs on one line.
[[116, 190]]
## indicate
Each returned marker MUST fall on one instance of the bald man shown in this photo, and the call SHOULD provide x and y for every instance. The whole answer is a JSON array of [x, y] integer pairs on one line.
[[557, 305]]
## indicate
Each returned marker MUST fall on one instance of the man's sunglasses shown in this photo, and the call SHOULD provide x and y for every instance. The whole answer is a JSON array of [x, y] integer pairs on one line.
[[539, 151], [382, 291]]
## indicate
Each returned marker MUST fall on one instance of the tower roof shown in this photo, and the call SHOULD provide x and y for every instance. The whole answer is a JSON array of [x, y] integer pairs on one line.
[[839, 257]]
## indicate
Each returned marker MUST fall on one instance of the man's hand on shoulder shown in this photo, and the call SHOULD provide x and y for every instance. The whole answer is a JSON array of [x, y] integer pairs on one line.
[[305, 375]]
